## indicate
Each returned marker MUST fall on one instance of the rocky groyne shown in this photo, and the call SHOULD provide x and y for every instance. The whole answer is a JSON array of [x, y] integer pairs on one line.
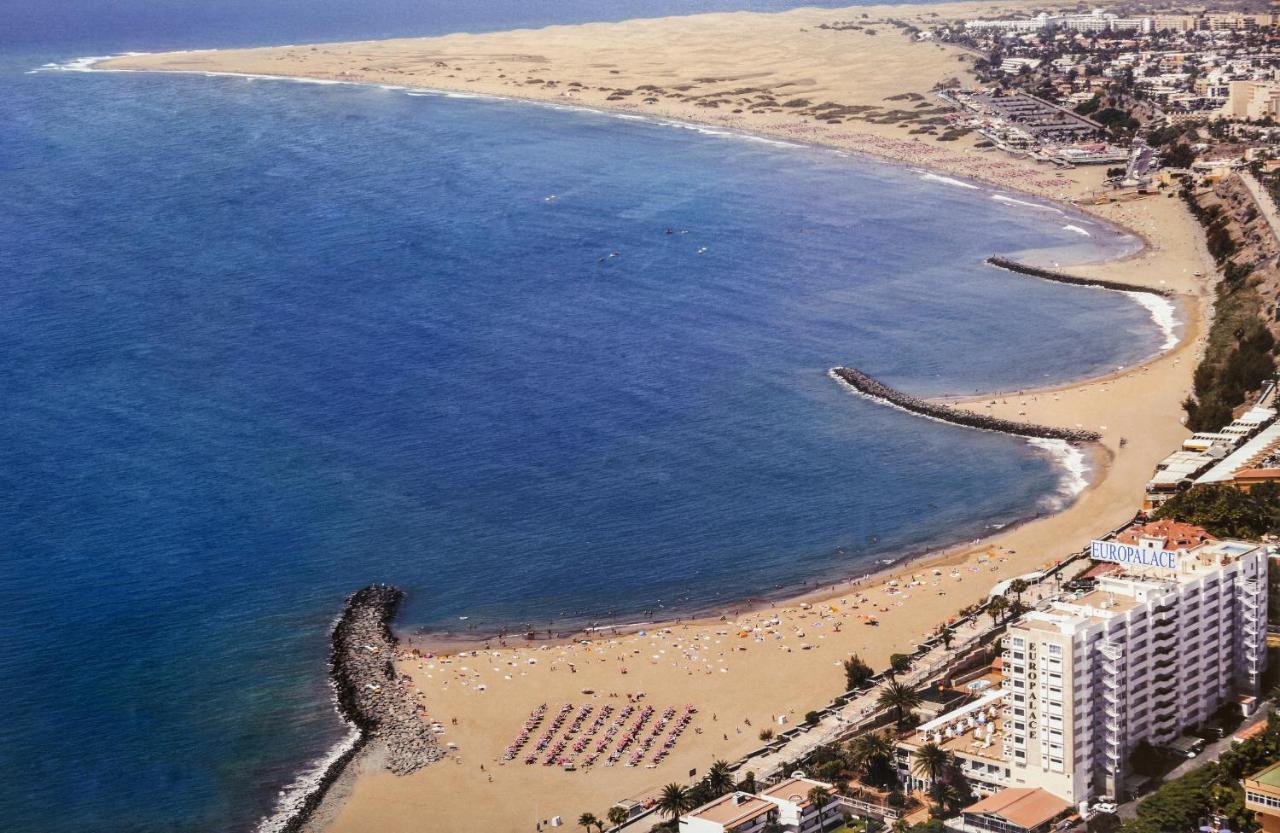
[[371, 697], [1061, 277], [875, 389], [370, 693]]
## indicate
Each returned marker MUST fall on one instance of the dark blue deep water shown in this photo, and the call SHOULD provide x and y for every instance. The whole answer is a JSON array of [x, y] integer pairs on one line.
[[262, 343]]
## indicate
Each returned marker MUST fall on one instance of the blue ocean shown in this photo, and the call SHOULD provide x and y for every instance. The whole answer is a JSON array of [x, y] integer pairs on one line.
[[266, 342]]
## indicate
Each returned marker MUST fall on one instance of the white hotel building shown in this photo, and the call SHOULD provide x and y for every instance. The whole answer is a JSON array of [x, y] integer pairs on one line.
[[1146, 655]]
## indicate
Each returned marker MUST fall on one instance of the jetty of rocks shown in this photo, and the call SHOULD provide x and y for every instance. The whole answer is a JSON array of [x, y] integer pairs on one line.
[[877, 390], [370, 693], [371, 697], [1061, 277]]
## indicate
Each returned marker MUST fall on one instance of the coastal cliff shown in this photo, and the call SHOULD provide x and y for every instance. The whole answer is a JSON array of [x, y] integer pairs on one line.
[[1062, 277], [875, 389]]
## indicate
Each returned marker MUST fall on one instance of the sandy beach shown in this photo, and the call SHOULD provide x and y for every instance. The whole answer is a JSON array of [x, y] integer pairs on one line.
[[771, 75]]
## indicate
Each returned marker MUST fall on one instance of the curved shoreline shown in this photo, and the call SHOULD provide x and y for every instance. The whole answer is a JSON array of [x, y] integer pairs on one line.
[[1061, 277], [930, 555], [917, 557], [880, 392]]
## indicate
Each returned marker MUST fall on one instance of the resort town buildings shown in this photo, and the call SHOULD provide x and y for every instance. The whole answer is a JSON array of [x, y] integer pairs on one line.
[[1262, 796], [1148, 653], [786, 803]]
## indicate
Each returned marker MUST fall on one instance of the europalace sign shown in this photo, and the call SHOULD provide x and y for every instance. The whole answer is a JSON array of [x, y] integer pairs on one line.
[[1131, 556]]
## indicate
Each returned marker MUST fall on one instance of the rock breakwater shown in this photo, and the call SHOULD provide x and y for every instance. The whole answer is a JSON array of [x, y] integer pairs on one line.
[[371, 698], [370, 693], [1061, 277], [877, 390]]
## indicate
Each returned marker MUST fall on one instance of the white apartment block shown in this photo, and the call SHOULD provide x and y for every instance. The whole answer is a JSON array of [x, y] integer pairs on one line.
[[1149, 653], [786, 804], [737, 812], [796, 813]]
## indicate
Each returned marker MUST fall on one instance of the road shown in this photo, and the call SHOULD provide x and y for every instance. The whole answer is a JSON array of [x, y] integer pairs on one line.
[[1211, 753], [1265, 204]]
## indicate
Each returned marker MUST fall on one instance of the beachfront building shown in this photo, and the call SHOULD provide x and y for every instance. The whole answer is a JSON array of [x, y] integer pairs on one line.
[[785, 804], [1262, 796], [971, 735], [796, 813], [1148, 653], [1203, 451], [736, 812], [1014, 810]]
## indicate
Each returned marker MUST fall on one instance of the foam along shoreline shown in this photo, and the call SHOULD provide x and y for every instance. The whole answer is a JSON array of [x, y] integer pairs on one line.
[[1157, 302], [878, 391], [1061, 277], [864, 71]]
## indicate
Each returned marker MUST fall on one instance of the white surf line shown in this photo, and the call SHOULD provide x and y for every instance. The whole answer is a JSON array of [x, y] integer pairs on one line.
[[291, 799], [1163, 313], [88, 64], [1005, 198], [1076, 229], [946, 180], [1074, 466]]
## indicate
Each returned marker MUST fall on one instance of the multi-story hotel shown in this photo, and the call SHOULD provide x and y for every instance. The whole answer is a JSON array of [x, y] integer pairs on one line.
[[1160, 643]]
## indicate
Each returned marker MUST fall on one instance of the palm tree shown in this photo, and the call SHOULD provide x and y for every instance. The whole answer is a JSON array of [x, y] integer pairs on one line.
[[588, 820], [674, 800], [900, 697], [818, 797], [948, 636], [869, 751], [996, 607], [719, 778], [900, 825], [945, 797], [931, 762], [1017, 587], [617, 815]]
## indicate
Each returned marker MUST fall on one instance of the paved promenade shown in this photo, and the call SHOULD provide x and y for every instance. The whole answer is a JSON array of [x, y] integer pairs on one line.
[[1265, 204]]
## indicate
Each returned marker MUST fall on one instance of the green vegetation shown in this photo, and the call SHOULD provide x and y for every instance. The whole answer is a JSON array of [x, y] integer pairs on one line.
[[1238, 357], [1087, 108], [856, 672], [903, 699], [899, 663], [1212, 788], [1227, 511]]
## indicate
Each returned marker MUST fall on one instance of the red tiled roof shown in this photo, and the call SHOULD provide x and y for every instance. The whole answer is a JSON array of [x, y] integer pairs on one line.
[[1025, 807], [1176, 534]]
